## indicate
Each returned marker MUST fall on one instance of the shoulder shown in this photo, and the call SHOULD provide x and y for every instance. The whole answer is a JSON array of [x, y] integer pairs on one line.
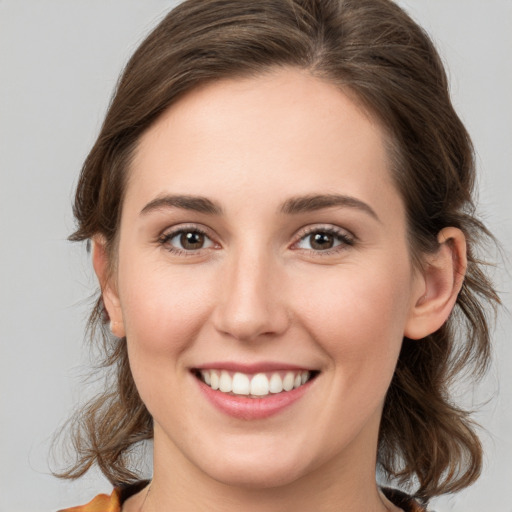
[[101, 503], [109, 503], [402, 500]]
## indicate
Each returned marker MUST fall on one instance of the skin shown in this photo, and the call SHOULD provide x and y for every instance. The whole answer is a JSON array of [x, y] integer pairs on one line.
[[258, 290]]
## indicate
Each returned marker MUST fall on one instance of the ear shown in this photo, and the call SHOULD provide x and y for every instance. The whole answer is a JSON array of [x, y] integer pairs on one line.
[[100, 262], [441, 281]]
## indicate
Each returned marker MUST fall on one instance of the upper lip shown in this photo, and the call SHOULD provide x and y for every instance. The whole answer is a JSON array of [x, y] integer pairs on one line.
[[250, 368]]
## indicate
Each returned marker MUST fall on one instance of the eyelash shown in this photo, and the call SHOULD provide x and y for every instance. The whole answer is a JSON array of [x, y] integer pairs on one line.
[[165, 238], [345, 239], [340, 235]]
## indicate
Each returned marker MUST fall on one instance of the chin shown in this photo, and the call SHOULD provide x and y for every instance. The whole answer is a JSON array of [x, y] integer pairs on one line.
[[264, 465], [251, 477]]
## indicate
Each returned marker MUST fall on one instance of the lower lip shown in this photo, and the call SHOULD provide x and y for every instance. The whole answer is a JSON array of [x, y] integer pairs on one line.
[[245, 408]]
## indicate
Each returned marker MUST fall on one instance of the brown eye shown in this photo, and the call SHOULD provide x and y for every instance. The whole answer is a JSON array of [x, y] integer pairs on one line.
[[321, 241], [325, 239], [184, 240], [192, 240]]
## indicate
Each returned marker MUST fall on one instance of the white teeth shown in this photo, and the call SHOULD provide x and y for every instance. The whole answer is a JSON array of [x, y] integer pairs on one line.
[[276, 383], [225, 382], [259, 385], [214, 377], [241, 384], [288, 381], [206, 377]]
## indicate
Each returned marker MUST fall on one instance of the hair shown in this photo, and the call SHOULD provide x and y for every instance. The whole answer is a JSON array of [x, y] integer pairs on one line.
[[373, 50]]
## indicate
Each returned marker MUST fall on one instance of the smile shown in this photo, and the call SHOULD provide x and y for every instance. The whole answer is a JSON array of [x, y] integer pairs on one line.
[[256, 385]]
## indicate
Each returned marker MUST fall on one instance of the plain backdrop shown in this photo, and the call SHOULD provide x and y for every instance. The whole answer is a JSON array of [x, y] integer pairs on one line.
[[59, 61]]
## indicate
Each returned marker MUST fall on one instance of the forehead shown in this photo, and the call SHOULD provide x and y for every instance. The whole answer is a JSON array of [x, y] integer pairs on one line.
[[282, 131]]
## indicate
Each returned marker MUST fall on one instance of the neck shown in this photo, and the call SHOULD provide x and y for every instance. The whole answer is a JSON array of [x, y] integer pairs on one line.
[[337, 485]]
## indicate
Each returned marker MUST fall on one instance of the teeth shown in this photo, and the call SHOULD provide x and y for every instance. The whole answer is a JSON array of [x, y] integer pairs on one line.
[[258, 385], [288, 381], [276, 383], [241, 384], [206, 377], [214, 377], [225, 382]]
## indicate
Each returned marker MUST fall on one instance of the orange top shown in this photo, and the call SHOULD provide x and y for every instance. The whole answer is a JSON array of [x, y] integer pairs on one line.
[[102, 503], [112, 503]]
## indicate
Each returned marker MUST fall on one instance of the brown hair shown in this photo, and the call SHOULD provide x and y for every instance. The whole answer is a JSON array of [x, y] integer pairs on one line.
[[374, 50]]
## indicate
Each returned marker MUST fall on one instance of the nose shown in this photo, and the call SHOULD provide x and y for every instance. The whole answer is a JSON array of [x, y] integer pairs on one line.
[[250, 303]]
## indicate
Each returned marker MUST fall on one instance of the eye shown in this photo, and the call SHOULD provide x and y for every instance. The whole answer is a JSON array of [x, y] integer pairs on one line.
[[319, 240], [186, 240]]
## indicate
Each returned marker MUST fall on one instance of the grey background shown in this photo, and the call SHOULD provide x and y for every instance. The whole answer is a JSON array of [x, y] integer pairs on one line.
[[59, 61]]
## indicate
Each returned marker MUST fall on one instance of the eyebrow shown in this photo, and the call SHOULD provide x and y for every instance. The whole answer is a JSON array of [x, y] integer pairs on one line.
[[313, 202], [292, 206], [194, 203]]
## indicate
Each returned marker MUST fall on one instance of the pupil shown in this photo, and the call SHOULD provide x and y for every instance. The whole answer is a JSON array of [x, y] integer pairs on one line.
[[322, 241], [192, 240]]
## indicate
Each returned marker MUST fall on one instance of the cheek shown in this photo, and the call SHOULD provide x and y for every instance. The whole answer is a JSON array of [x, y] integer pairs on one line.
[[359, 320], [163, 312], [163, 309]]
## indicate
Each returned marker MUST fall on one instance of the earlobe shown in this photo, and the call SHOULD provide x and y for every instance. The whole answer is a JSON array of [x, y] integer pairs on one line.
[[442, 279], [100, 261]]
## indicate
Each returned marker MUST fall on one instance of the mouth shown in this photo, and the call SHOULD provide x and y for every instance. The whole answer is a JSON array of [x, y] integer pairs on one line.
[[254, 385]]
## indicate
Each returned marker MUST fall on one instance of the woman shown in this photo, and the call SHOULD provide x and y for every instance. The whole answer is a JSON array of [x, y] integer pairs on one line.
[[279, 204]]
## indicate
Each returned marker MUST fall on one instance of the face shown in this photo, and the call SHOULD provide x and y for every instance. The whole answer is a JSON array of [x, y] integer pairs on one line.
[[263, 250]]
